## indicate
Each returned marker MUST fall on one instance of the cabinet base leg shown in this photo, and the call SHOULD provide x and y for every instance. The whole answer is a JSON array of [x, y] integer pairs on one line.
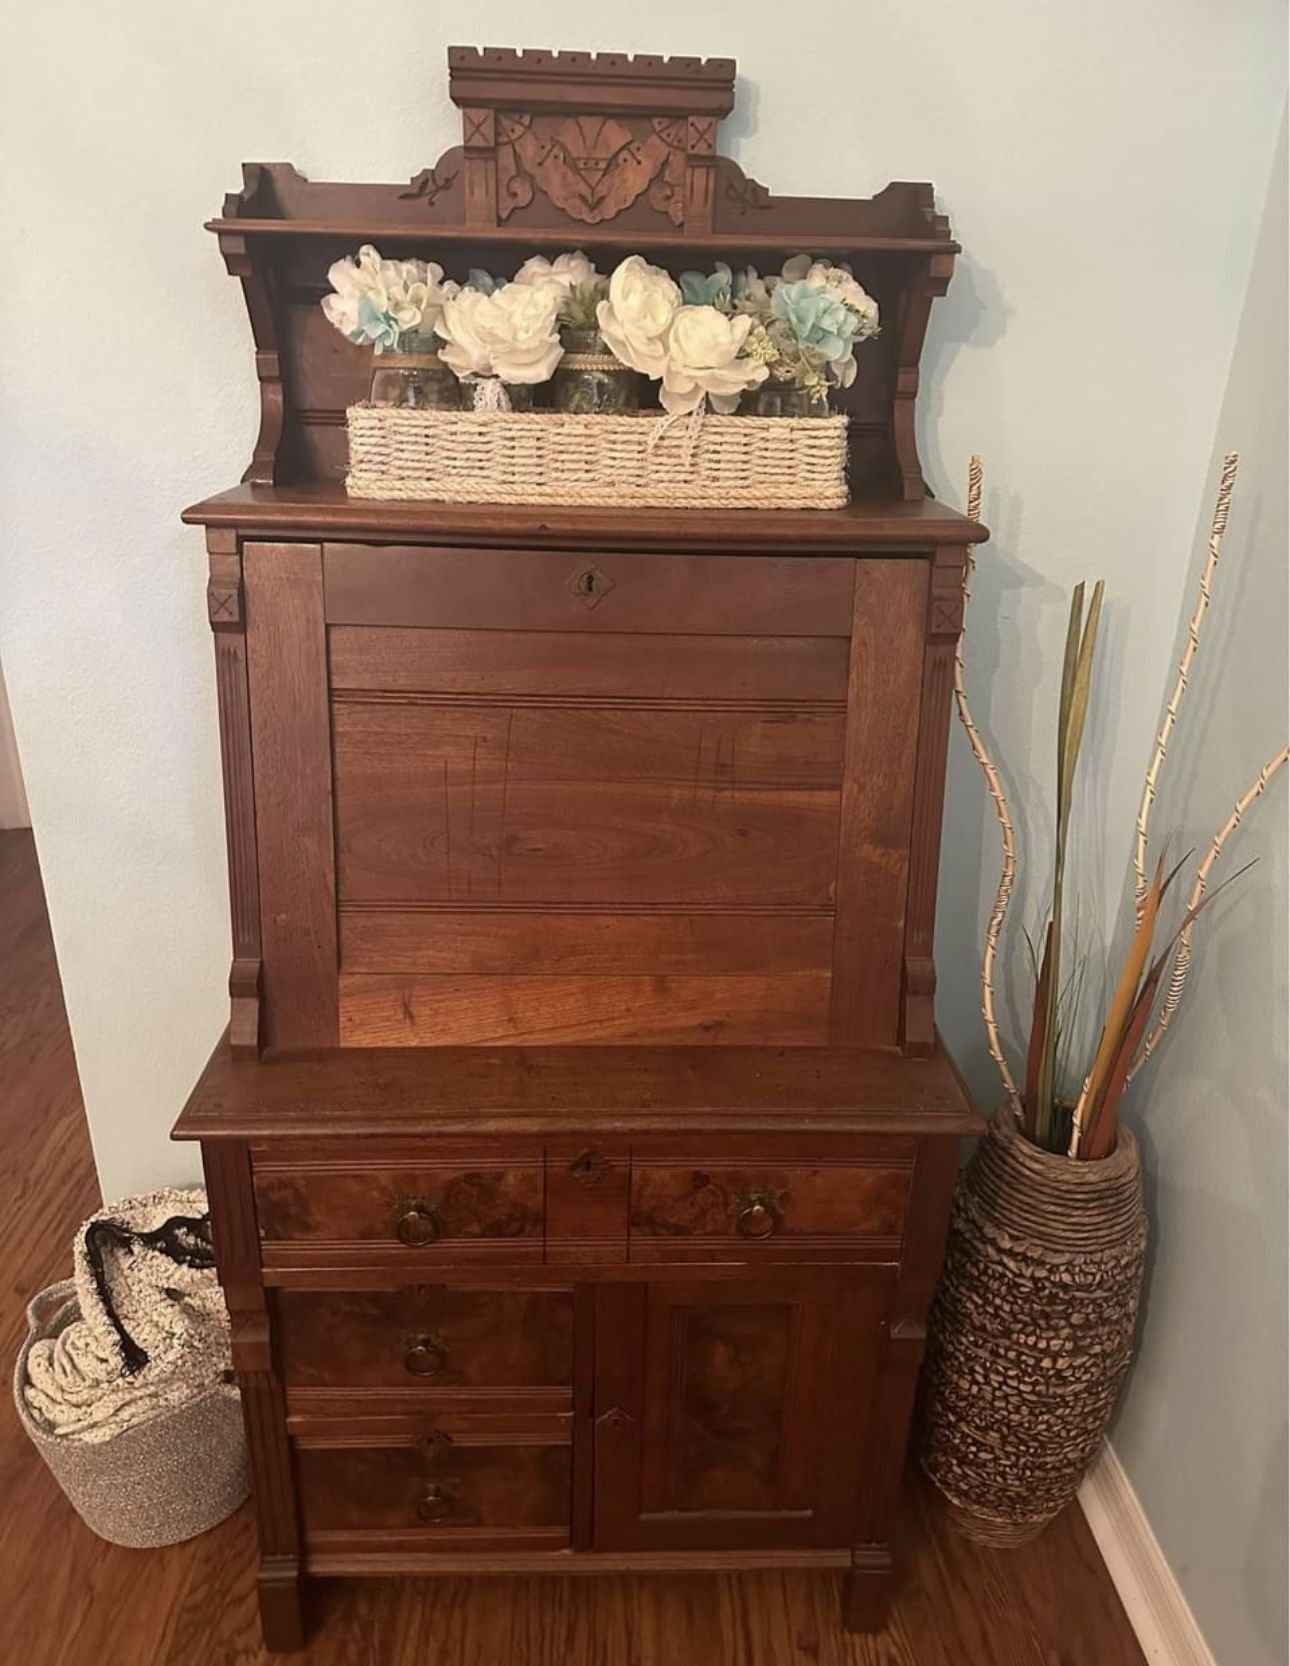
[[866, 1591], [281, 1593]]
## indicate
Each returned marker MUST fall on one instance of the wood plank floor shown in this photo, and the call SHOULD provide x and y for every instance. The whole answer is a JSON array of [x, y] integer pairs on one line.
[[67, 1599]]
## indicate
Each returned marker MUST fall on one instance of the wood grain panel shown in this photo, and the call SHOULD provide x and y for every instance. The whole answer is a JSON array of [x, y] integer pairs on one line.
[[537, 590], [589, 663], [350, 1202], [694, 1211], [427, 1338], [734, 1410], [409, 1011], [877, 800], [287, 674], [482, 804], [502, 1487], [539, 940]]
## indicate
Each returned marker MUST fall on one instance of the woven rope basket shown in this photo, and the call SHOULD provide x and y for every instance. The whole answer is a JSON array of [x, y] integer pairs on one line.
[[716, 462], [1032, 1329], [168, 1478]]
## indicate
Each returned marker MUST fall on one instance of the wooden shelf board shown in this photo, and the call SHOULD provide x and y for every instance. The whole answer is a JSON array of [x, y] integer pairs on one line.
[[323, 509], [497, 1090], [543, 237]]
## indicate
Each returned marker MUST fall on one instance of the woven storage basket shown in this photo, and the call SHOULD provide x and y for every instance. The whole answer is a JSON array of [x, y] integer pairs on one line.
[[1032, 1329], [715, 462], [160, 1481]]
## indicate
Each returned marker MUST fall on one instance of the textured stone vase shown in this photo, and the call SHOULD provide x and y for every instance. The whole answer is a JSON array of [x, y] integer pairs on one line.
[[1032, 1330]]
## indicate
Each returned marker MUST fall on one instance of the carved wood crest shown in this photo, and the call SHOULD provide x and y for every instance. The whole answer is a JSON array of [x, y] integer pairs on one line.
[[592, 167], [589, 136]]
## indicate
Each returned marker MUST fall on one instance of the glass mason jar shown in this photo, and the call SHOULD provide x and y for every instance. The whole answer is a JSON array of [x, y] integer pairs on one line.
[[589, 380], [784, 399], [414, 377], [490, 393]]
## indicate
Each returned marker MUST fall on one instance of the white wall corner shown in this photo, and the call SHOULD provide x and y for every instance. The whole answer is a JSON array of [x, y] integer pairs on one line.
[[1162, 1621]]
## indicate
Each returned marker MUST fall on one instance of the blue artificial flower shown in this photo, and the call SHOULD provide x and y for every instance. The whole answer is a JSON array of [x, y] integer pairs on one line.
[[379, 328], [698, 290], [483, 281], [816, 317]]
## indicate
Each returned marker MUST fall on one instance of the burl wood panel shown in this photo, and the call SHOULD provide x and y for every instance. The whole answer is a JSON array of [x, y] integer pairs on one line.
[[449, 1484], [446, 939], [290, 731], [600, 664], [409, 1011], [590, 806], [734, 1413], [351, 1203], [734, 1362], [716, 1210], [426, 1337], [539, 590]]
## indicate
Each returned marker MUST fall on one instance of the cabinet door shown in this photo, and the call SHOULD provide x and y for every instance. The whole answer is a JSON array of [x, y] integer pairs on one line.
[[734, 1413]]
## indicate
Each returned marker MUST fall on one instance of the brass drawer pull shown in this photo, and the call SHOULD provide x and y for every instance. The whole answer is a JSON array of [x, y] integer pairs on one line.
[[757, 1215], [436, 1502], [424, 1356], [418, 1222]]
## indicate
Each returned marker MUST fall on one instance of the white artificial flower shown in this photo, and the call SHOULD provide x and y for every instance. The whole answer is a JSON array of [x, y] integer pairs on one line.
[[638, 314], [752, 292], [839, 280], [510, 334], [376, 300], [564, 274], [703, 357]]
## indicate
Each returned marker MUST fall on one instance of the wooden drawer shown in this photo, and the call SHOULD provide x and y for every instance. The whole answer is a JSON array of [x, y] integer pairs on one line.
[[461, 1484], [547, 590], [425, 1338], [397, 1208], [839, 1208]]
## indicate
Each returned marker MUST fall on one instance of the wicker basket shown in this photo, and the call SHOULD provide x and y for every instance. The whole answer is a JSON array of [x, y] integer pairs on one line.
[[644, 459], [167, 1478], [1032, 1329]]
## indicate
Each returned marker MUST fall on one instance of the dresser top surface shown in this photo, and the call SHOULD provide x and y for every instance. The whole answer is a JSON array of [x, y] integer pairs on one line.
[[323, 509], [497, 1090]]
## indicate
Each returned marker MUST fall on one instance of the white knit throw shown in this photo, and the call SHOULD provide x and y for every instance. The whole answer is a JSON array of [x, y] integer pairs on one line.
[[78, 1386]]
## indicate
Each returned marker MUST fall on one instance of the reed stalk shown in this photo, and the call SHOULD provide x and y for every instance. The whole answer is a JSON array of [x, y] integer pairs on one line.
[[999, 910], [1218, 525]]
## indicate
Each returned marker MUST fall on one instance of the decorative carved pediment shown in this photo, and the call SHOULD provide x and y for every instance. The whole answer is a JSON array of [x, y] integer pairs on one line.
[[620, 130]]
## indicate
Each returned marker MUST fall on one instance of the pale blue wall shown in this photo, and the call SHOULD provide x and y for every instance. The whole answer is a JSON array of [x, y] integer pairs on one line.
[[1202, 1431]]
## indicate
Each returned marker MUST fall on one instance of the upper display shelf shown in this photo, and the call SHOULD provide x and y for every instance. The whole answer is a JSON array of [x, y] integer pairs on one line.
[[620, 149], [560, 151]]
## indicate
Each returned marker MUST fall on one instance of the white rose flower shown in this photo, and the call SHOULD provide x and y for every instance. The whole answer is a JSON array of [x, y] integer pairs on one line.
[[564, 274], [510, 334], [636, 318], [703, 348]]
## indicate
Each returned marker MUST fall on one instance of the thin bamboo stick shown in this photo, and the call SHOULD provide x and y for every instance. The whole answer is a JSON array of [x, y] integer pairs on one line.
[[1182, 955], [994, 926], [1218, 526]]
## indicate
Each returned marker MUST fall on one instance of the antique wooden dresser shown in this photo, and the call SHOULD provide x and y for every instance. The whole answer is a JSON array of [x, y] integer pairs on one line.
[[581, 1145]]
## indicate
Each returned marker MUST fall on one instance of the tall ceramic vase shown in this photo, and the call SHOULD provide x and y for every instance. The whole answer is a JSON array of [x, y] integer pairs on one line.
[[1032, 1329]]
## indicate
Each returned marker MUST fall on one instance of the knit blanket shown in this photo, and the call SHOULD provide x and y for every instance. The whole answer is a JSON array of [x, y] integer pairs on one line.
[[153, 1329]]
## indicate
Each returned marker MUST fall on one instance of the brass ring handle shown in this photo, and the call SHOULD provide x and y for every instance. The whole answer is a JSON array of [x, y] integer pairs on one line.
[[435, 1503], [425, 1356], [418, 1224], [758, 1217]]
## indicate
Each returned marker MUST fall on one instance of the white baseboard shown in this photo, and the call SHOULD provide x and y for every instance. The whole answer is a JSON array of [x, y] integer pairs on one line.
[[1164, 1625]]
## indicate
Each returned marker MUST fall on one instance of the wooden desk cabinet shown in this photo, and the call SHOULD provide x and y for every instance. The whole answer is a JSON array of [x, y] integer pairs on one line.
[[581, 1147]]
